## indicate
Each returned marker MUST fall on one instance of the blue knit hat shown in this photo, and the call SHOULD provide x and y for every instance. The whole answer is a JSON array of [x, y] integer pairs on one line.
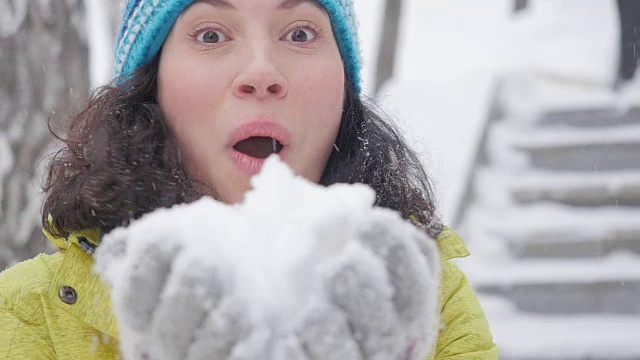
[[146, 24]]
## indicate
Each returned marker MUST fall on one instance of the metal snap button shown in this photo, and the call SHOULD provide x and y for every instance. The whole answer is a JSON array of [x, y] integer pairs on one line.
[[68, 295]]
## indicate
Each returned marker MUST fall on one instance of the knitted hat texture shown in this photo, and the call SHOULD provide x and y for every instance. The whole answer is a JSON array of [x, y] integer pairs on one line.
[[146, 24]]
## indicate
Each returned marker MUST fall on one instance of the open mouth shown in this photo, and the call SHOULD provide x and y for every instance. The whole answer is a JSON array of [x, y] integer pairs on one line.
[[259, 147]]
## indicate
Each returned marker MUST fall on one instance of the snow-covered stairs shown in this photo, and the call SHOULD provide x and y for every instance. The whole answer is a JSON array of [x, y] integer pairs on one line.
[[619, 188], [580, 149], [553, 221]]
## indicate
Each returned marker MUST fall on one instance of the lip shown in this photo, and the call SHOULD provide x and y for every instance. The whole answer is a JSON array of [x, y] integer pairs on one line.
[[248, 164]]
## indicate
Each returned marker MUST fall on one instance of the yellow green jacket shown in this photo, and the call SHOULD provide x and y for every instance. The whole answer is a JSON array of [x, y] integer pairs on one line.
[[55, 307]]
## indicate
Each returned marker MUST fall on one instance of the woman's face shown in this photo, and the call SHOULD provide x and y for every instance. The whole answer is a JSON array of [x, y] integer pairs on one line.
[[241, 79]]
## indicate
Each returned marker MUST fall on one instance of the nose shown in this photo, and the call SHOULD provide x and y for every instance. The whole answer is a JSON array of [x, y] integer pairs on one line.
[[260, 77]]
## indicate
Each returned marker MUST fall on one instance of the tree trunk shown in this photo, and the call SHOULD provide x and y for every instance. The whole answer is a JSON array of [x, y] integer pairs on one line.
[[44, 71], [630, 38], [388, 42]]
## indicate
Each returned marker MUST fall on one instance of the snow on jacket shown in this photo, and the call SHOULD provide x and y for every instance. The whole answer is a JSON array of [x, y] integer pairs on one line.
[[55, 307]]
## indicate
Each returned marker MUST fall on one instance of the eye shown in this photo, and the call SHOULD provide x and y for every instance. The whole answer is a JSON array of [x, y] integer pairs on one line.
[[300, 35], [211, 36]]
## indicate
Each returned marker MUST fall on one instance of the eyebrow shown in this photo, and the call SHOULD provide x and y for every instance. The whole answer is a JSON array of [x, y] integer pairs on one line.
[[285, 5], [290, 4], [218, 3]]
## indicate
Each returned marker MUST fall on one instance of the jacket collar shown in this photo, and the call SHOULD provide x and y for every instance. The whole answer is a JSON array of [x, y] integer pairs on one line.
[[451, 245], [93, 305]]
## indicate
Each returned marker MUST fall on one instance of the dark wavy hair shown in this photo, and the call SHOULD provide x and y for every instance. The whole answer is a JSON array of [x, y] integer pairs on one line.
[[120, 161]]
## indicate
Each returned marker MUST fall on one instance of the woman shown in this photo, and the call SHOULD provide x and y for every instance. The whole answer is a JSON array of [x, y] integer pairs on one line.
[[203, 91]]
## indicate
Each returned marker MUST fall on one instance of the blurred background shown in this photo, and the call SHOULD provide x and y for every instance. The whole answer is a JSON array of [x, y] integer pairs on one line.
[[526, 114]]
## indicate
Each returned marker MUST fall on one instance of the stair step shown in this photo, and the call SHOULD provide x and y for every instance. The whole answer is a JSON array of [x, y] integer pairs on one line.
[[533, 98], [597, 337], [559, 245], [521, 336], [609, 285], [579, 189], [590, 117], [561, 148], [554, 137], [559, 231], [616, 188]]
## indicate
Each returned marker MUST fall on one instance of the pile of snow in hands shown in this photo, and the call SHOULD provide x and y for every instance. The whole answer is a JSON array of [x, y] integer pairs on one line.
[[270, 261]]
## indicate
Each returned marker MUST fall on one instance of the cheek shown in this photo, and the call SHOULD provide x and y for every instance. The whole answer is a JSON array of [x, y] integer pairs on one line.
[[180, 98], [328, 98], [179, 89], [323, 92], [174, 94], [186, 94], [322, 98]]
